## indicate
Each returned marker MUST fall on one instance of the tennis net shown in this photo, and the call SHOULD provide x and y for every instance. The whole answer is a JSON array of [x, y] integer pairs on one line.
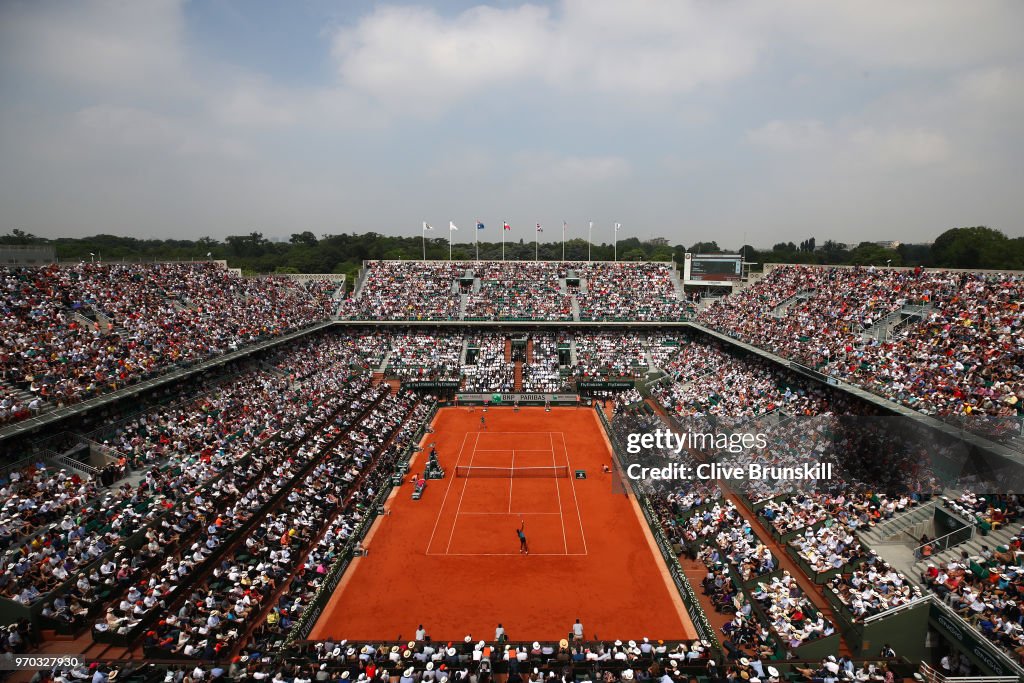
[[555, 471]]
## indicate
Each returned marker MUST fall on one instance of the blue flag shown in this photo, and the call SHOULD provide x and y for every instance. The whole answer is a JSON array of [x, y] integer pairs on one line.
[[479, 225]]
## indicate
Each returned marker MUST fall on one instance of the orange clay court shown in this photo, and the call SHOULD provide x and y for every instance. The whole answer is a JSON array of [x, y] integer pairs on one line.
[[451, 560]]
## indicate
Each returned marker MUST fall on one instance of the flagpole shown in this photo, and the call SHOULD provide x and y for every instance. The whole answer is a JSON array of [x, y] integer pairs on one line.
[[424, 236], [451, 224], [476, 238], [503, 224], [615, 244], [590, 230], [536, 243], [563, 240]]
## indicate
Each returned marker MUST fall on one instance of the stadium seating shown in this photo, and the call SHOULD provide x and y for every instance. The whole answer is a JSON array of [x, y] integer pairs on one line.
[[249, 490], [69, 332], [941, 342]]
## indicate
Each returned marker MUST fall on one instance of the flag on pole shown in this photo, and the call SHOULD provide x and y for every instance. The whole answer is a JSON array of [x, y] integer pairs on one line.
[[506, 226], [539, 229], [451, 226], [617, 226], [479, 225], [427, 226]]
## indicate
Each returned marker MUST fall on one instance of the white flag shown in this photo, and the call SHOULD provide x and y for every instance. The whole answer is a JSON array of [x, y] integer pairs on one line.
[[617, 226], [451, 226], [427, 226]]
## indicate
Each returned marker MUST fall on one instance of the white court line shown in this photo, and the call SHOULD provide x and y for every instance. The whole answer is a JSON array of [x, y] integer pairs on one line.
[[507, 554], [506, 514], [513, 468], [558, 490], [450, 481], [572, 480], [519, 432], [461, 496]]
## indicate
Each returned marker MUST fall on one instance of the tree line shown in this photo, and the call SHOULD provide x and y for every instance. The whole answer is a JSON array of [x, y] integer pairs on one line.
[[969, 247]]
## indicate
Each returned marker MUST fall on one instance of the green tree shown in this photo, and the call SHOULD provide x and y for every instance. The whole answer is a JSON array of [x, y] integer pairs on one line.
[[705, 248], [871, 254], [306, 238], [977, 247]]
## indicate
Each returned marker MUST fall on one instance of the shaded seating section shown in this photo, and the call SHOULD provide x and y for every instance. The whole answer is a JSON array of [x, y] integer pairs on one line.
[[72, 331]]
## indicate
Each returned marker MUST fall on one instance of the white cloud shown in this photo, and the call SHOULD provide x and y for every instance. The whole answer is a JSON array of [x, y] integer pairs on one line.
[[851, 146], [996, 89], [612, 108], [918, 34], [121, 129], [551, 172], [410, 56], [897, 147], [789, 135], [413, 58], [100, 45]]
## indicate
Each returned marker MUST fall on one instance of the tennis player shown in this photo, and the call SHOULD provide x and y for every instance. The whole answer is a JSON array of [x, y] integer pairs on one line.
[[483, 422], [523, 548]]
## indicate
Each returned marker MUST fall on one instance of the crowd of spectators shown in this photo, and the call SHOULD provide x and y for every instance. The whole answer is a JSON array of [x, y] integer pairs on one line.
[[492, 371], [352, 493], [541, 372], [240, 496], [708, 380], [987, 590], [872, 588], [518, 290], [426, 355], [196, 455], [960, 358], [72, 331], [35, 495], [222, 608], [989, 512], [629, 291], [406, 290], [611, 354], [828, 548], [515, 290], [790, 612]]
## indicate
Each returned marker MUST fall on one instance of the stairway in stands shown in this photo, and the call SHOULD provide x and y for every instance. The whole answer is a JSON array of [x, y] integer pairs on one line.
[[23, 396], [518, 376]]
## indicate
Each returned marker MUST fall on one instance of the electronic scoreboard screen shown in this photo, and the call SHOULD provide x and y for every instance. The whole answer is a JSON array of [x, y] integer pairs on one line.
[[710, 268]]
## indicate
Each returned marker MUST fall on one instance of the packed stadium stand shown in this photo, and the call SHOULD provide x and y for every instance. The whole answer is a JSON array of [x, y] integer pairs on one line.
[[944, 343], [199, 529]]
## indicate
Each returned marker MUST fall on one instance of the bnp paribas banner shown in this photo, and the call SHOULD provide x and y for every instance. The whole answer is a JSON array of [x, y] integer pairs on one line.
[[520, 398]]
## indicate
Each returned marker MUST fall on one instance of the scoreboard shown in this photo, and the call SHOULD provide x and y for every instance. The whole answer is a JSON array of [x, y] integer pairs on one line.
[[712, 268]]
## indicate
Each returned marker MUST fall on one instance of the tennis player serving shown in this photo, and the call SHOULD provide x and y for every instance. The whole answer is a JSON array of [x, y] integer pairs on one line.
[[523, 548]]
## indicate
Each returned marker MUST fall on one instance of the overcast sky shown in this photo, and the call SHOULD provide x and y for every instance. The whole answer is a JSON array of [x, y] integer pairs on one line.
[[716, 119]]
